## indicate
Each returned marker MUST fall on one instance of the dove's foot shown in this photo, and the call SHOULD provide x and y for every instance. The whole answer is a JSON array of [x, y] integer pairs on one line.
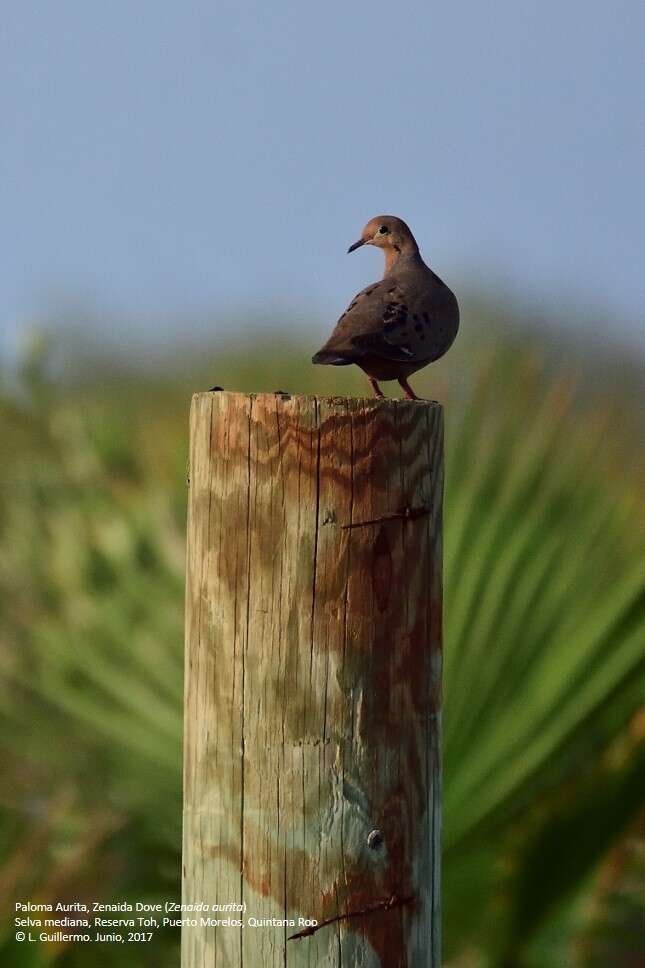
[[376, 388], [407, 389]]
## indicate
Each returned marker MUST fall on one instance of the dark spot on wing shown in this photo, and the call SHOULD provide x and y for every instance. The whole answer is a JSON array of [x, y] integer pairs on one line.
[[394, 316]]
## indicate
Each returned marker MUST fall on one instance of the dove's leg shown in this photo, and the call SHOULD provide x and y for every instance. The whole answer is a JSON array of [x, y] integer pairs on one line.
[[376, 388], [407, 389]]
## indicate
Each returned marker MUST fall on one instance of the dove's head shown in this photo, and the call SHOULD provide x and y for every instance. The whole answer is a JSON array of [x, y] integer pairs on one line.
[[389, 233]]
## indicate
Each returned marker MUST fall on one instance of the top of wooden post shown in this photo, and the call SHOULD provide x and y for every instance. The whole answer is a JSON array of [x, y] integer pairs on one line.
[[334, 400]]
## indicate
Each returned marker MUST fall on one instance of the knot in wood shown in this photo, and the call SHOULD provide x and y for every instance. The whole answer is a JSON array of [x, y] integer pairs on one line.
[[374, 839]]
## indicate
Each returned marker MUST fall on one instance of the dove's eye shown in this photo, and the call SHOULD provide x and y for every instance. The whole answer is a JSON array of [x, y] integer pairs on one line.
[[383, 230]]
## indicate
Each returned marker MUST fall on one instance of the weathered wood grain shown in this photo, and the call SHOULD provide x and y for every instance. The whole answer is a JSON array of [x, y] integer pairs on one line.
[[312, 695]]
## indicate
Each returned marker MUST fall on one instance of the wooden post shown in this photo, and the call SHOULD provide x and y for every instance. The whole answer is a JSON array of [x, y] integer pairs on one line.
[[312, 699]]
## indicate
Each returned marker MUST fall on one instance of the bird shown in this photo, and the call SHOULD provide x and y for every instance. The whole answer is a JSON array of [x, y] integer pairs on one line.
[[394, 327]]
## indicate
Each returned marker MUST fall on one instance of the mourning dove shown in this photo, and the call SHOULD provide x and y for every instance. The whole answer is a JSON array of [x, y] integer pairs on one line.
[[400, 324]]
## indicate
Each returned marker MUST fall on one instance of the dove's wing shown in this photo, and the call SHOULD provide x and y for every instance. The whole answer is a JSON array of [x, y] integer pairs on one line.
[[412, 319]]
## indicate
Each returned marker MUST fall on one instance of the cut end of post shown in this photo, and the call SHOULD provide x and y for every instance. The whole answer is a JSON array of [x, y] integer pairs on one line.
[[284, 396]]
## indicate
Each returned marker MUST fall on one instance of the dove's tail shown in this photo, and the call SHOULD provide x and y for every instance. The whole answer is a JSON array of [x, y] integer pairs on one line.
[[330, 359]]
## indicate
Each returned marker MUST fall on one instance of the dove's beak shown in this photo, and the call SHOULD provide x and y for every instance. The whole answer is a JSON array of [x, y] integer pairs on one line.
[[356, 245]]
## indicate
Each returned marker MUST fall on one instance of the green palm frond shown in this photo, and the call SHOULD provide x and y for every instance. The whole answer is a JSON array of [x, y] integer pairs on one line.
[[545, 601]]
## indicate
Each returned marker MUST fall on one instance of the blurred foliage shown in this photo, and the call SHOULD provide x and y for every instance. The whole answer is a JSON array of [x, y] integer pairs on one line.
[[544, 652], [616, 925]]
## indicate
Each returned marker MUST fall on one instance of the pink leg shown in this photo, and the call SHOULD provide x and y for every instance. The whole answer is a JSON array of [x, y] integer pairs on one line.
[[376, 388], [407, 389]]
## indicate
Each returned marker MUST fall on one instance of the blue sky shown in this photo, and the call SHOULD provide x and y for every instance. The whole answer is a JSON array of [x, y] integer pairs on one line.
[[164, 160]]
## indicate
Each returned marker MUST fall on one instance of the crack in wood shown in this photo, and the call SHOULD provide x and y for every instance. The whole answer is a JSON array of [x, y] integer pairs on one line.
[[393, 901], [406, 514]]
